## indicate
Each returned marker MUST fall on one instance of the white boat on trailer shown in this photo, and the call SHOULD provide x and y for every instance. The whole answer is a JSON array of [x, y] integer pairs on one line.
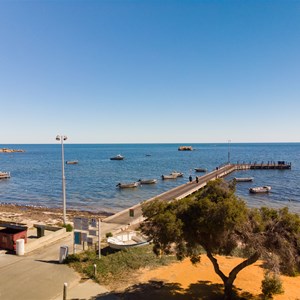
[[260, 189], [125, 240]]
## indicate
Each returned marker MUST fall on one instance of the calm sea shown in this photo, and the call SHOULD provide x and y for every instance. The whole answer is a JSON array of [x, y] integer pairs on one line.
[[36, 175]]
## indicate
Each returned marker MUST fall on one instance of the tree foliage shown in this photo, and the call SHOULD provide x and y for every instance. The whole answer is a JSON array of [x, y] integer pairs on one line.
[[215, 220]]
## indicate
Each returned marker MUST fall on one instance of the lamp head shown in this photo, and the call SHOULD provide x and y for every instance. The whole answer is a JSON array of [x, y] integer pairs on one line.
[[58, 138]]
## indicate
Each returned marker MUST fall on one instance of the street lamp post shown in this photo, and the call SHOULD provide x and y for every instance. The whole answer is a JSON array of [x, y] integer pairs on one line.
[[62, 138], [229, 151]]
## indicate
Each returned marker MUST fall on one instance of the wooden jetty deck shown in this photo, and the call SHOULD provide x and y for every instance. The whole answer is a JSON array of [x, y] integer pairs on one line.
[[134, 215]]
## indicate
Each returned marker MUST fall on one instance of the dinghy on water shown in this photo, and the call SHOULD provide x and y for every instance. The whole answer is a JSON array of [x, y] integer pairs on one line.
[[147, 181], [117, 157], [260, 189], [243, 179], [127, 185]]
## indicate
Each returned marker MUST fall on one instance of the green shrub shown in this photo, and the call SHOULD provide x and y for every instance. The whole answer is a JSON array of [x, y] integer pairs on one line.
[[109, 234], [271, 285], [68, 227]]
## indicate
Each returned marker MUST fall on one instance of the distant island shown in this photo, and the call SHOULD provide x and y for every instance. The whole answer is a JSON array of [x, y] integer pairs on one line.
[[6, 150], [185, 148]]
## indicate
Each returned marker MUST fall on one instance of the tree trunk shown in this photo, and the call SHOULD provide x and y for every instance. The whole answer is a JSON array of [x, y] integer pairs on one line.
[[228, 285], [228, 281]]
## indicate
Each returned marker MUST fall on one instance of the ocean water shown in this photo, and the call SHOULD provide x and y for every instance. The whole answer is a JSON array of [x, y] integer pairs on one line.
[[36, 174]]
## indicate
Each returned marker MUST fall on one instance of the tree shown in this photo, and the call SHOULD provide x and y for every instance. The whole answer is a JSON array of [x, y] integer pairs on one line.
[[215, 220]]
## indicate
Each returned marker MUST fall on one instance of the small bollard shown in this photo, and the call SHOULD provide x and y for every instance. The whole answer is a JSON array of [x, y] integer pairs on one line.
[[95, 270], [65, 291]]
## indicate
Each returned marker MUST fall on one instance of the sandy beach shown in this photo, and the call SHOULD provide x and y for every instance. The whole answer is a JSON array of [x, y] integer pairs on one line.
[[30, 215]]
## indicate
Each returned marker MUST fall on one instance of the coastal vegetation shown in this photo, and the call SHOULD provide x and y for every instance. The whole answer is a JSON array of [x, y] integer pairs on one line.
[[115, 267], [215, 220]]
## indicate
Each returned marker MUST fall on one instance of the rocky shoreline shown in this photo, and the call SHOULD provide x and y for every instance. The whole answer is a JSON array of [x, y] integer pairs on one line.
[[6, 150]]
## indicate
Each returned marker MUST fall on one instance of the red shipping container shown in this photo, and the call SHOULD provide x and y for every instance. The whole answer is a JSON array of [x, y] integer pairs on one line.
[[9, 236]]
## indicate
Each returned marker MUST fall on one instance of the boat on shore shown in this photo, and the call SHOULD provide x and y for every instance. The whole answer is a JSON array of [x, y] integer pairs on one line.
[[4, 175], [117, 157], [128, 185], [125, 240], [147, 181], [72, 162], [260, 189], [200, 170], [243, 179]]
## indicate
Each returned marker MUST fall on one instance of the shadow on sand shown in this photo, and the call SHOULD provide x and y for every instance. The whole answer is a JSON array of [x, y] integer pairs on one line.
[[158, 290]]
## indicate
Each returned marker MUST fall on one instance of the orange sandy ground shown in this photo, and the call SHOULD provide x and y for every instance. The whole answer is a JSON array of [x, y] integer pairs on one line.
[[248, 280]]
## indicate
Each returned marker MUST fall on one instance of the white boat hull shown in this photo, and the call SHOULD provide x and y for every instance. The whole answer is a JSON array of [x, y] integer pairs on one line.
[[147, 181], [246, 179], [127, 240], [260, 189], [128, 185]]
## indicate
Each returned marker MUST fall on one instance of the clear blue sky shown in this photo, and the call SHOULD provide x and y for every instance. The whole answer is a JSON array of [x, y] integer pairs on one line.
[[150, 71]]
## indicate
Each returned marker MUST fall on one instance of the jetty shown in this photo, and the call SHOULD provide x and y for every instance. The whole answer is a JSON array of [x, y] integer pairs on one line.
[[133, 215]]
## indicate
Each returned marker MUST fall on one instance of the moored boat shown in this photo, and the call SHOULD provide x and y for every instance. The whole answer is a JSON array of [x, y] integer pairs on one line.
[[185, 148], [170, 176], [200, 170], [177, 174], [127, 185], [147, 181], [260, 189], [117, 157], [125, 240], [243, 179], [4, 175], [72, 162]]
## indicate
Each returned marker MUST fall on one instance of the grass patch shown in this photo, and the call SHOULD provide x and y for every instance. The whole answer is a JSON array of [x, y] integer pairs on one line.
[[114, 266]]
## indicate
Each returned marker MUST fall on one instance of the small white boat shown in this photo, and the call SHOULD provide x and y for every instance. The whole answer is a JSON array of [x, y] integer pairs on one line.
[[117, 157], [4, 175], [200, 170], [243, 179], [177, 174], [170, 176], [127, 185], [127, 240], [260, 189], [72, 162], [147, 181]]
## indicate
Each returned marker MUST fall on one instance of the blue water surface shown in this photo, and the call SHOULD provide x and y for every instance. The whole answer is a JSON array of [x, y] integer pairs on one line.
[[36, 174]]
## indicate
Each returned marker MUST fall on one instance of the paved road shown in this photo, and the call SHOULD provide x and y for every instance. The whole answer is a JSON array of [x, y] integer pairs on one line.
[[34, 276], [39, 276]]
